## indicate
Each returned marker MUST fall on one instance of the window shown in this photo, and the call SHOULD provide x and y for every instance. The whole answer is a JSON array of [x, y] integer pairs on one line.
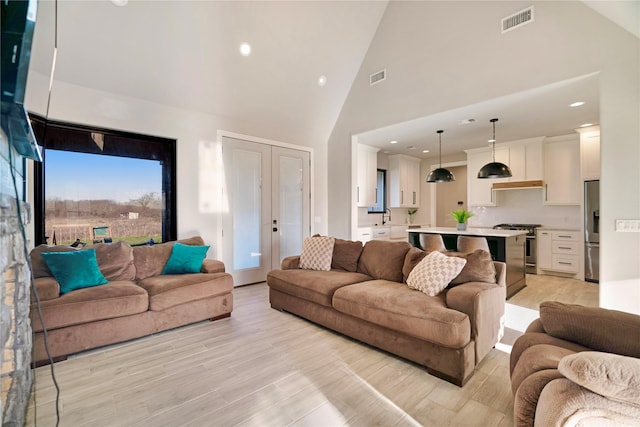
[[98, 185], [381, 192]]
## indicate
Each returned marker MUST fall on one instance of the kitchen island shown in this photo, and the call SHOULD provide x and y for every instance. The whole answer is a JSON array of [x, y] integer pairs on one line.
[[507, 246]]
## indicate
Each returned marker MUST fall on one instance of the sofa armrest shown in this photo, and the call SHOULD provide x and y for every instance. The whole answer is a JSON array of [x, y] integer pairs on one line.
[[212, 266], [47, 287], [291, 262], [484, 303]]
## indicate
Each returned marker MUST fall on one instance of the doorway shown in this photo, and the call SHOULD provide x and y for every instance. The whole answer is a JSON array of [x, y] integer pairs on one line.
[[268, 197], [453, 197]]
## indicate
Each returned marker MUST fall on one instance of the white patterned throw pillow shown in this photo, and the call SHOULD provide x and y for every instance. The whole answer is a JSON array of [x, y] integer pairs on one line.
[[434, 272], [317, 253]]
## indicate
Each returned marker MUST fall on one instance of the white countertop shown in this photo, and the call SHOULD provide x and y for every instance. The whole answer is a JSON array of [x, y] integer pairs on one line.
[[470, 231]]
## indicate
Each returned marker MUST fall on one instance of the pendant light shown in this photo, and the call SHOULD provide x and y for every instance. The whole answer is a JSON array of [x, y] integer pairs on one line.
[[440, 174], [494, 169]]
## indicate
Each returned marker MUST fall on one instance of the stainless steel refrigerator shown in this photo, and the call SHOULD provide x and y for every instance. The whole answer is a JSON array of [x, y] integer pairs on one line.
[[592, 230]]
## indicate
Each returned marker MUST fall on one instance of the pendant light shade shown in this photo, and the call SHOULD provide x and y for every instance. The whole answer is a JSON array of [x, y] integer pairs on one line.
[[494, 169], [440, 174]]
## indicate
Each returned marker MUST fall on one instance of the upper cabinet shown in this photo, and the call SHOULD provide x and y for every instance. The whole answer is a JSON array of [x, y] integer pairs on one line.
[[480, 191], [367, 174], [590, 152], [562, 170], [525, 160], [404, 181]]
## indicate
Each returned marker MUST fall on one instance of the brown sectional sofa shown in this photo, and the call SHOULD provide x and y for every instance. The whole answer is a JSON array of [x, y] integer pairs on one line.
[[577, 366], [137, 301], [449, 333]]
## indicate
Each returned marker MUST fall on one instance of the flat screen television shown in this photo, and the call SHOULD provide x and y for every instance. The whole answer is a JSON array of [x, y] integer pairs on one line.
[[18, 19]]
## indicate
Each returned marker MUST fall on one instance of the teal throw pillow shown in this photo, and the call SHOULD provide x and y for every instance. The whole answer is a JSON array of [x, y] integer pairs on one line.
[[75, 270], [185, 259]]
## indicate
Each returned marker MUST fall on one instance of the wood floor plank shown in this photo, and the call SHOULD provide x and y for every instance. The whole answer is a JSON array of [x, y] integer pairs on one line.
[[263, 367]]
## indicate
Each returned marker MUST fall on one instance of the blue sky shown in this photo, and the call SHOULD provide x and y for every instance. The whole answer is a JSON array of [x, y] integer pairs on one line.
[[81, 176]]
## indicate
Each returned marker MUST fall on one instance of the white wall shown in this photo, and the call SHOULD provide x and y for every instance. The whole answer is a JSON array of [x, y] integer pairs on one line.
[[444, 55], [90, 107]]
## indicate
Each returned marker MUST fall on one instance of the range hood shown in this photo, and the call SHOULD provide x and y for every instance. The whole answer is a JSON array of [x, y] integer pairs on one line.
[[517, 185]]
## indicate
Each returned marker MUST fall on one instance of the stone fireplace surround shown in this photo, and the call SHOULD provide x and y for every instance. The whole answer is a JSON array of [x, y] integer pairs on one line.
[[15, 286]]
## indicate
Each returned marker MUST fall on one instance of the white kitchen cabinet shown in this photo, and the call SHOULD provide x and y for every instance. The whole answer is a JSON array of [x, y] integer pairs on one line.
[[559, 251], [364, 234], [562, 170], [404, 181], [380, 233], [525, 160], [367, 175], [480, 191], [590, 152]]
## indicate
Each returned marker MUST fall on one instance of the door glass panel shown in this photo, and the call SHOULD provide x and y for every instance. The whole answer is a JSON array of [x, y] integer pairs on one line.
[[246, 209], [291, 206]]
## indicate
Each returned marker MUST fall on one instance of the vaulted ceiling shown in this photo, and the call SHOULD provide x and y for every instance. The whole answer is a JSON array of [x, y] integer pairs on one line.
[[186, 54]]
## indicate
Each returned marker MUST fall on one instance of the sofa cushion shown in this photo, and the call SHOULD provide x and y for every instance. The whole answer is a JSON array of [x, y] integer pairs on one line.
[[382, 259], [185, 259], [610, 375], [116, 260], [38, 265], [346, 254], [75, 270], [479, 268], [317, 252], [46, 287], [434, 272], [594, 327], [115, 299], [411, 259], [171, 290], [150, 260], [394, 306], [311, 285]]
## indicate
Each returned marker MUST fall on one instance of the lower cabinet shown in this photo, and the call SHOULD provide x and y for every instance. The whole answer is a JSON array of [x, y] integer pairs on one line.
[[559, 251], [364, 234], [373, 233]]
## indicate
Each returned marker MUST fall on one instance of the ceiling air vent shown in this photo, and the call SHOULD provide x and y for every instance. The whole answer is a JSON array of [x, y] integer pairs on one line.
[[517, 19], [377, 77]]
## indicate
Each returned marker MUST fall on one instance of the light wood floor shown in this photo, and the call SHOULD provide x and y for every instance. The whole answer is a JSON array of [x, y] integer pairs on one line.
[[263, 368]]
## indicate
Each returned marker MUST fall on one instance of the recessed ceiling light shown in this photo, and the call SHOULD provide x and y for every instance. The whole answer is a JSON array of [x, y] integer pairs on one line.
[[425, 151], [467, 121], [393, 142], [120, 2], [576, 104], [586, 125], [491, 140], [245, 49], [322, 80]]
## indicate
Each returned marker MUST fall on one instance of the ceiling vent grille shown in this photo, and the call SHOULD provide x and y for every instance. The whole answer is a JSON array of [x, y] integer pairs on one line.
[[517, 19], [377, 77]]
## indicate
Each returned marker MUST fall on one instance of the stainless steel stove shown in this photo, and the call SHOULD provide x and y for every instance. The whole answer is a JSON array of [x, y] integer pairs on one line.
[[530, 247]]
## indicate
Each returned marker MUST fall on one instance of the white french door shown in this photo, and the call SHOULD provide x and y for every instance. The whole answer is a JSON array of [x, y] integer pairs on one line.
[[268, 216]]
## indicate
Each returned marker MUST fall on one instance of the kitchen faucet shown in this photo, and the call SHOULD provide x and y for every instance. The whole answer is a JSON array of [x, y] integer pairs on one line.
[[384, 213]]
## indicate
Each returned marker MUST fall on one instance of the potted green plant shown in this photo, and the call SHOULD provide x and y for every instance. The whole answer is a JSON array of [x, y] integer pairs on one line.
[[411, 212], [461, 216]]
